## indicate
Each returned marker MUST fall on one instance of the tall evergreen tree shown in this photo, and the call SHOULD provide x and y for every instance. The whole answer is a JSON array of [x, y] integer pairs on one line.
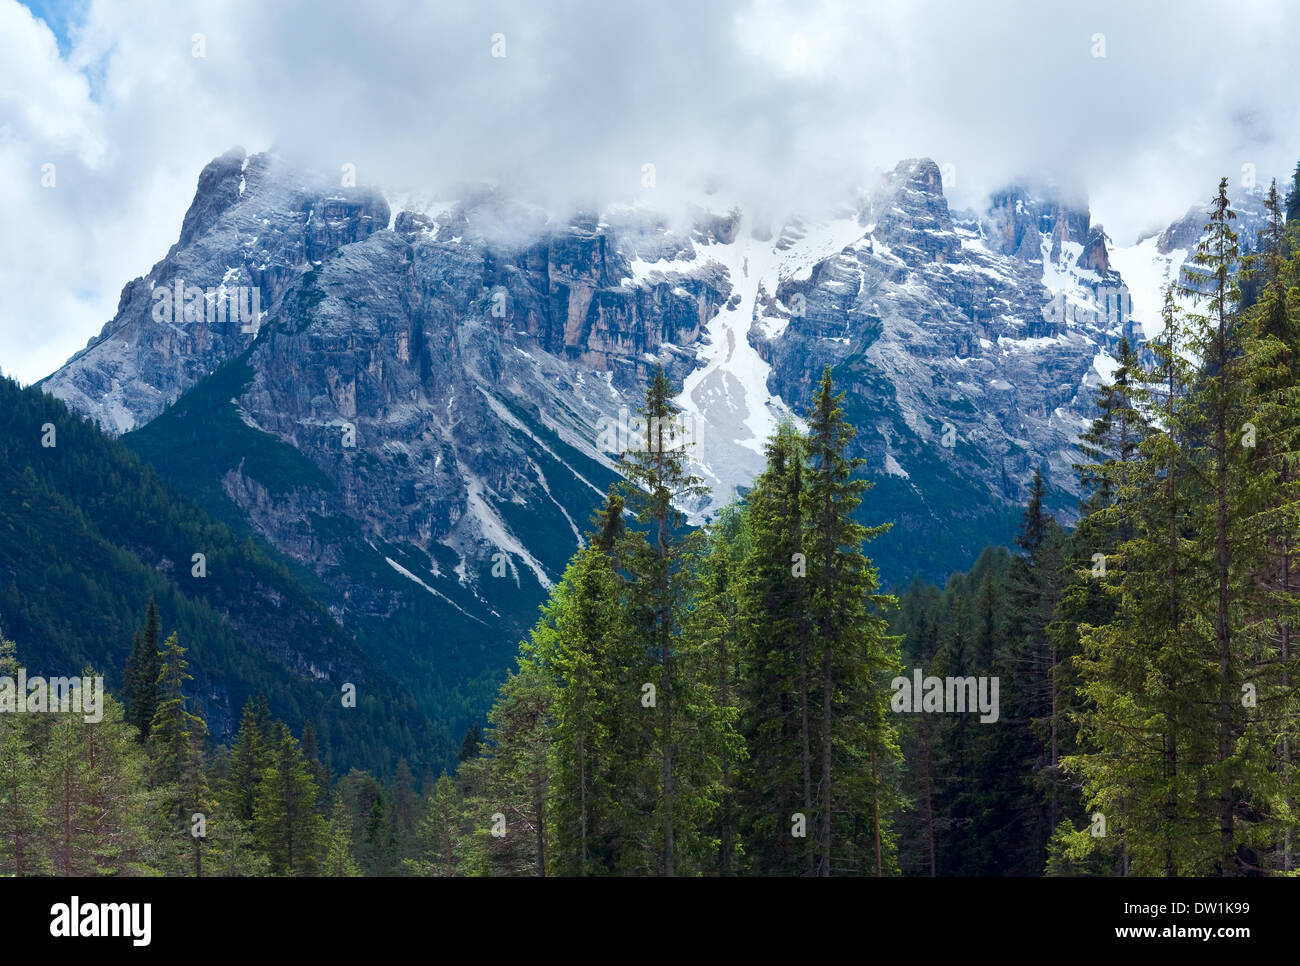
[[510, 783], [857, 742], [22, 795], [1031, 692], [1271, 359], [176, 749], [1145, 736], [250, 755], [339, 861], [717, 627], [657, 560], [1218, 418], [778, 675], [1293, 197], [581, 643], [98, 813]]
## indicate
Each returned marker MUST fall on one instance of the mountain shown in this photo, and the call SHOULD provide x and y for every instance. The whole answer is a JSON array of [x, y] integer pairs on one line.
[[425, 404]]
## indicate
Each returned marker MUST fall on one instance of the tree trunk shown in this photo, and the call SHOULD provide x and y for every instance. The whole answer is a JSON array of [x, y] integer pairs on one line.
[[929, 793], [875, 802], [1222, 633], [826, 799], [807, 751]]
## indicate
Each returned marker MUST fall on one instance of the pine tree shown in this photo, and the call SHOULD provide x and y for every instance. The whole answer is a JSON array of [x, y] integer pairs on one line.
[[778, 673], [141, 674], [339, 861], [440, 831], [287, 825], [176, 748], [850, 649], [657, 485], [1218, 411]]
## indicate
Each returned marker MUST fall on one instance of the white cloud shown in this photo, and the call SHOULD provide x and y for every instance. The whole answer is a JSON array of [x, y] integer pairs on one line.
[[785, 102]]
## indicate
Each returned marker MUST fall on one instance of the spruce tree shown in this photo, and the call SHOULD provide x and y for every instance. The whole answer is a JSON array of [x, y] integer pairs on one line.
[[778, 674], [250, 754], [1032, 719], [1293, 197], [717, 628], [856, 741], [339, 861], [1145, 735], [506, 809], [580, 644], [1271, 357], [656, 558], [140, 678], [470, 743], [441, 831], [23, 813], [288, 827], [1218, 423], [176, 748]]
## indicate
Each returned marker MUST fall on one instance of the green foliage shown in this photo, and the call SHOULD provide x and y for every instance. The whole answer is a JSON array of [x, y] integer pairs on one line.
[[659, 702], [89, 535], [1188, 711], [140, 678]]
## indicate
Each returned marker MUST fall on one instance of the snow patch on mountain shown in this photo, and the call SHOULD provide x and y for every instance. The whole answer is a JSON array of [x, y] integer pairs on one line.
[[492, 528], [1104, 365], [727, 402], [1147, 273], [410, 576]]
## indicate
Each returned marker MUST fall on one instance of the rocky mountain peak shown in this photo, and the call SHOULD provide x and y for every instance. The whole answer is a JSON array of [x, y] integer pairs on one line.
[[920, 174], [486, 355], [220, 185], [1094, 257]]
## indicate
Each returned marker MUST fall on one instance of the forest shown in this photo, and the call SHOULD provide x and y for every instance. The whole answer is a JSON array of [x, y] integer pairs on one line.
[[722, 700]]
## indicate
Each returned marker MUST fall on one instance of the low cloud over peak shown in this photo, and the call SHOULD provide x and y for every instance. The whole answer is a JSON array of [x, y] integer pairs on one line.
[[779, 106]]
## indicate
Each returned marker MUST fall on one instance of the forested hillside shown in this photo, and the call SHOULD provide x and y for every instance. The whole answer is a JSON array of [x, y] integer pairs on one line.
[[89, 534]]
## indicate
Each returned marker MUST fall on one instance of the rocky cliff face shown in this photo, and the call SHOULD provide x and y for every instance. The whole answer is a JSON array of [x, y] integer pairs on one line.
[[253, 226], [426, 410]]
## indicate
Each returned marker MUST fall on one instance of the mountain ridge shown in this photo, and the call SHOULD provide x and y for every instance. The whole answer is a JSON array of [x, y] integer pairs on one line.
[[431, 402]]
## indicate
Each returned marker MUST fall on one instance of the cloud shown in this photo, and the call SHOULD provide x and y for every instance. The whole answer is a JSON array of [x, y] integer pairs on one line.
[[784, 105]]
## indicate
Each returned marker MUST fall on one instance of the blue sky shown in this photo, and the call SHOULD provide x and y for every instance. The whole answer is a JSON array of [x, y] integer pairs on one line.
[[60, 16]]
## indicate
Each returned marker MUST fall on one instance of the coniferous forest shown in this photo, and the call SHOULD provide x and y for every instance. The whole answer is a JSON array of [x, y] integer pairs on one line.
[[1115, 697]]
